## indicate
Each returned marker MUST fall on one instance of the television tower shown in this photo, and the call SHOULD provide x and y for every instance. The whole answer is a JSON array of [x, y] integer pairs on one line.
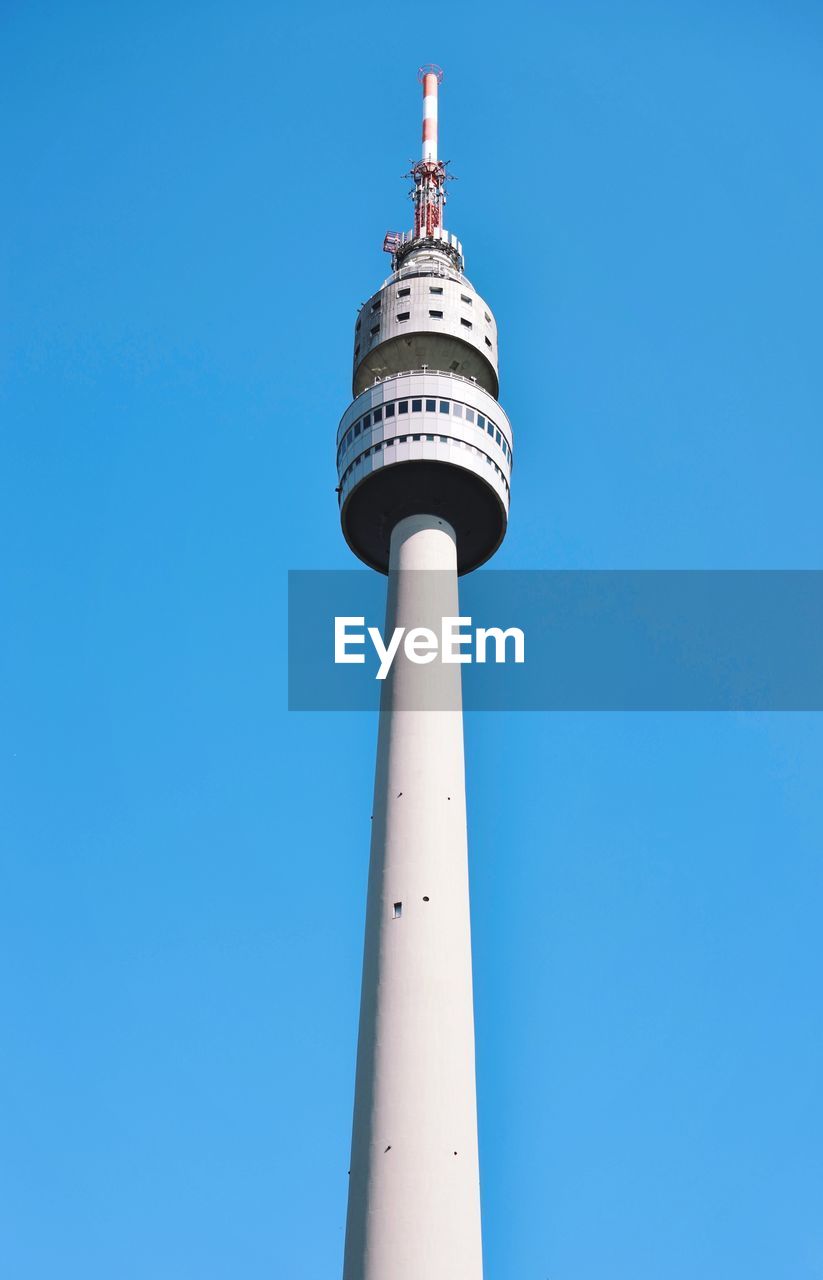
[[424, 458]]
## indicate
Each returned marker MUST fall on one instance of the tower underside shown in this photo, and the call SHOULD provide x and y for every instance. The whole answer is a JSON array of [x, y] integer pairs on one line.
[[424, 442]]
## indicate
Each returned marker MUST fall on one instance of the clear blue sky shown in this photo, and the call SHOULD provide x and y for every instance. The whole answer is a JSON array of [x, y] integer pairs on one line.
[[195, 199]]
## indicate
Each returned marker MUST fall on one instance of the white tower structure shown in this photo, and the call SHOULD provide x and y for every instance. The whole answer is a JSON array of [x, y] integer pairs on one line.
[[424, 456]]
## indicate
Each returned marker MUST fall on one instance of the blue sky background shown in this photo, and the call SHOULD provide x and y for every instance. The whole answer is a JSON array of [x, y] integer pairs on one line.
[[195, 199]]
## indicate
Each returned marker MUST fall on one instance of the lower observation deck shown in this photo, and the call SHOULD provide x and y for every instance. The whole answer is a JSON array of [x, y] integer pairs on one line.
[[424, 441]]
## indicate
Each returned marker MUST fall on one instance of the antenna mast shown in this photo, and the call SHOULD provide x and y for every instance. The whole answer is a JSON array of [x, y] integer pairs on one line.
[[429, 173]]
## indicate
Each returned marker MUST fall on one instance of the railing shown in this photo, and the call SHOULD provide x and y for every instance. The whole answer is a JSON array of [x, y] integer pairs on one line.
[[349, 417], [413, 272], [411, 373]]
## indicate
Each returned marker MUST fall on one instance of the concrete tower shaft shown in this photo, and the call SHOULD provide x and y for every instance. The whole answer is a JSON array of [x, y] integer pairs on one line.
[[414, 1190]]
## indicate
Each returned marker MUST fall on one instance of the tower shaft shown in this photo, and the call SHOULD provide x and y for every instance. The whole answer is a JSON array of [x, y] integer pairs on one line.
[[414, 1200]]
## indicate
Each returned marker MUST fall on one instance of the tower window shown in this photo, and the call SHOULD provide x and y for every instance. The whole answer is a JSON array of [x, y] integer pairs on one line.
[[481, 421], [374, 329], [444, 406], [498, 437], [436, 315], [367, 422], [390, 410], [375, 306], [435, 288], [490, 428], [417, 406], [398, 910], [377, 415], [403, 293], [431, 406], [403, 315], [403, 406], [488, 317], [464, 297], [488, 342], [467, 324], [470, 415], [457, 410]]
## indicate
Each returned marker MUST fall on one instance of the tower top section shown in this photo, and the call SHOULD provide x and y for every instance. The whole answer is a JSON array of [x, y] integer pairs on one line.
[[425, 434], [428, 192]]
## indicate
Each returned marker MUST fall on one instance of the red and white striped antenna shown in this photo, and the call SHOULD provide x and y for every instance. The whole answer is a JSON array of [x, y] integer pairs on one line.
[[429, 173], [430, 77]]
